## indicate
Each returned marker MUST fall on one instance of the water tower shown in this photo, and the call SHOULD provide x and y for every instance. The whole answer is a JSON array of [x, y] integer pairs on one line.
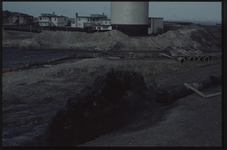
[[130, 18]]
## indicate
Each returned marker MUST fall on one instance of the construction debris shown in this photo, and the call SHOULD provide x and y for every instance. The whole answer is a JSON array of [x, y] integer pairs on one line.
[[200, 93], [182, 91], [182, 54]]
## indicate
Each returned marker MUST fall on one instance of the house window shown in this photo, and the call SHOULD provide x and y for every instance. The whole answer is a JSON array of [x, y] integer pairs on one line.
[[87, 19], [106, 22], [65, 19], [40, 18], [55, 19], [79, 19]]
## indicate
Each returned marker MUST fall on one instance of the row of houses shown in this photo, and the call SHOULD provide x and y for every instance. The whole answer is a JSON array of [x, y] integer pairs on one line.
[[95, 21], [92, 22]]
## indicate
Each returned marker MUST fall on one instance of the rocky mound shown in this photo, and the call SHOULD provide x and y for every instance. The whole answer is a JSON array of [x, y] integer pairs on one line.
[[197, 38], [107, 105], [97, 40], [6, 36]]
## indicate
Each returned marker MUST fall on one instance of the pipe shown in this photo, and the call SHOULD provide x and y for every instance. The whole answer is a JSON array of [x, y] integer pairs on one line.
[[182, 91], [206, 59], [211, 58], [181, 60], [201, 59], [186, 58], [162, 54], [196, 58], [200, 93], [191, 59], [169, 49]]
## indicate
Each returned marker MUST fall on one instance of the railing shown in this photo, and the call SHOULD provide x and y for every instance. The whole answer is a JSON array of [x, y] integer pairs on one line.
[[51, 23]]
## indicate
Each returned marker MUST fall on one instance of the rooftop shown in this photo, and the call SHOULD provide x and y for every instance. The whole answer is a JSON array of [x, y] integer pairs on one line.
[[156, 17], [20, 14], [94, 16], [51, 15], [90, 17]]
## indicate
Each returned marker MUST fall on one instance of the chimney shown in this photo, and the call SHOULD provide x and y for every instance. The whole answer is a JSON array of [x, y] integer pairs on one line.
[[103, 13], [76, 19], [53, 13]]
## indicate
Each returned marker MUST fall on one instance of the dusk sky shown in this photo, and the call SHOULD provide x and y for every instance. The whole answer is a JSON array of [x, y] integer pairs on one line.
[[177, 11]]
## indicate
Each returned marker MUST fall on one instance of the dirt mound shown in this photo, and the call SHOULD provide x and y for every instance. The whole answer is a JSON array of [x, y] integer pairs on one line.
[[97, 40], [214, 31], [6, 36], [197, 38], [105, 106]]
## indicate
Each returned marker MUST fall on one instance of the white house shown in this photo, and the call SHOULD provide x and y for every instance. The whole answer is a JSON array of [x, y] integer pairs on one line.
[[95, 22], [47, 19]]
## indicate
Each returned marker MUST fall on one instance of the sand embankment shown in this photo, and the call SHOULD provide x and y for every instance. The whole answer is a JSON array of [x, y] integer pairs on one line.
[[197, 38]]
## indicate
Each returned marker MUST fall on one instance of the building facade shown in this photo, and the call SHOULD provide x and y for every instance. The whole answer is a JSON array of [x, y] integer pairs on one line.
[[52, 20], [155, 25], [95, 22], [20, 19]]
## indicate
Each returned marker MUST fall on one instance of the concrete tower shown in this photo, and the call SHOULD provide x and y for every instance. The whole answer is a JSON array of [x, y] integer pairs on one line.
[[130, 18]]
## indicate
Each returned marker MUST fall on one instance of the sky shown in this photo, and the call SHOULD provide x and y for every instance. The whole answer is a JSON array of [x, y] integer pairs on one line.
[[196, 12]]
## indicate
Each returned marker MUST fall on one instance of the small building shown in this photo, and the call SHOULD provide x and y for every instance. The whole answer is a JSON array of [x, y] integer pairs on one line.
[[52, 20], [20, 18], [155, 25], [95, 22]]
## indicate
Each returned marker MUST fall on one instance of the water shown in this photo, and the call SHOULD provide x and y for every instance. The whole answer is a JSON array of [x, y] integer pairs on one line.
[[207, 23]]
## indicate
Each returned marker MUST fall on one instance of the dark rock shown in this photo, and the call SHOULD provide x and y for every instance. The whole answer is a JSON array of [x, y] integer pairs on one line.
[[109, 104]]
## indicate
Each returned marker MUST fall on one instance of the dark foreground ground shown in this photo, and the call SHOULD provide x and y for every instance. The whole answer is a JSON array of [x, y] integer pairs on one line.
[[33, 96]]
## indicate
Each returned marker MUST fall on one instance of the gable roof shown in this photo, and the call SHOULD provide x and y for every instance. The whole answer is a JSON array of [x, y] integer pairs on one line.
[[19, 15], [51, 15]]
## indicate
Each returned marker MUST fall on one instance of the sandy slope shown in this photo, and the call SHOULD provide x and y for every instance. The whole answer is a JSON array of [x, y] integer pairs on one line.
[[198, 38]]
